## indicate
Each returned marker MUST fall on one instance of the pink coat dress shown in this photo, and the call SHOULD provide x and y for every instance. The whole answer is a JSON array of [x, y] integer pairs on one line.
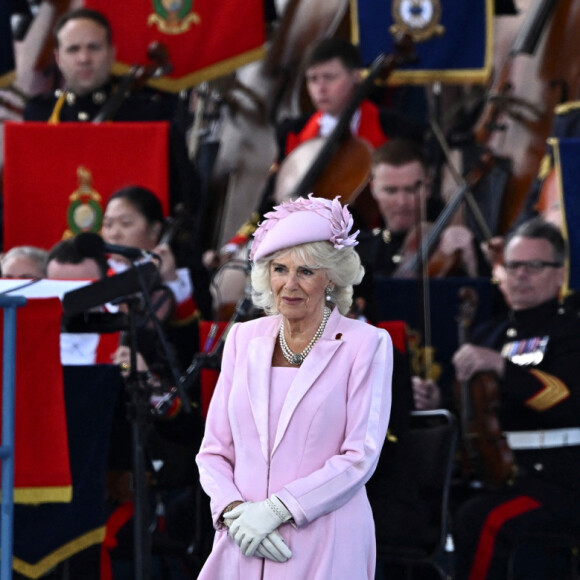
[[328, 439]]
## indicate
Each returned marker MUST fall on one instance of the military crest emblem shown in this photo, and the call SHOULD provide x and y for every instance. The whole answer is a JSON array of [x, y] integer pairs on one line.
[[84, 213], [418, 18], [173, 16]]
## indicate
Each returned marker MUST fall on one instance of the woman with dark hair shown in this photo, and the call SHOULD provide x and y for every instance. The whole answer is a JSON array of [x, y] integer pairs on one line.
[[134, 217]]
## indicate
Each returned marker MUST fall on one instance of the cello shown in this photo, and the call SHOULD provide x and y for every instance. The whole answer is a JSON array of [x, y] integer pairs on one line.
[[487, 455], [338, 164]]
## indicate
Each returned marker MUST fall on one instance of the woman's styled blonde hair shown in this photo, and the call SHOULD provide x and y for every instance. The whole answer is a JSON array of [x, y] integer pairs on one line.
[[342, 266]]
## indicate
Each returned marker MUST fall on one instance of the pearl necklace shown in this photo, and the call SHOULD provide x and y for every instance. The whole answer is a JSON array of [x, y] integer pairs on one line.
[[298, 359]]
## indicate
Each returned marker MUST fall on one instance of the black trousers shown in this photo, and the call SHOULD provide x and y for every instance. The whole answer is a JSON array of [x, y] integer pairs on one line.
[[490, 525]]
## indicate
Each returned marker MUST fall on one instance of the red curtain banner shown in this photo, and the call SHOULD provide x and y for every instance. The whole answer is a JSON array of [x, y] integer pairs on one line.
[[41, 455], [205, 39], [58, 178]]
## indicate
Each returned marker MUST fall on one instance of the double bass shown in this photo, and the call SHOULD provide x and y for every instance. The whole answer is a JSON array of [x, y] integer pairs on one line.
[[539, 68], [487, 455]]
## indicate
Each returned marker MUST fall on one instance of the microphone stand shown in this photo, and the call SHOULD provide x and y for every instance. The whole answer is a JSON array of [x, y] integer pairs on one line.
[[140, 416], [167, 351], [211, 359], [210, 356]]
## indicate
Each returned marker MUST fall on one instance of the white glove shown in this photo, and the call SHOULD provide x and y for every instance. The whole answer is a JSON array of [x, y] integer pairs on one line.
[[273, 547], [228, 518], [253, 522]]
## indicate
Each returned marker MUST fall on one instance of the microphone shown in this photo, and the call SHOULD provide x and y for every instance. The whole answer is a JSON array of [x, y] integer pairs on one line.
[[93, 246]]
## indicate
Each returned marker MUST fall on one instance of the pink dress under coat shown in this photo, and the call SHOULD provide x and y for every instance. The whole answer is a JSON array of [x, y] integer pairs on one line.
[[330, 431]]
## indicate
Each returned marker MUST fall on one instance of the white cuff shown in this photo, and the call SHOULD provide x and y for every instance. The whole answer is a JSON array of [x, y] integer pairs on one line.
[[229, 248], [182, 288], [279, 509]]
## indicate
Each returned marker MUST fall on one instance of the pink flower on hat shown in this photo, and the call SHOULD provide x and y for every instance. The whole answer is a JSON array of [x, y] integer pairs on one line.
[[338, 221], [341, 223]]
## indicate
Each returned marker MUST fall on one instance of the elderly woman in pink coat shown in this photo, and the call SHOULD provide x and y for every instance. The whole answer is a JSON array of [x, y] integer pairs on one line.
[[300, 412]]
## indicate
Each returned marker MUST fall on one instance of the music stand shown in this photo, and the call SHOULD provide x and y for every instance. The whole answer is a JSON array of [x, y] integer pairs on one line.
[[110, 289]]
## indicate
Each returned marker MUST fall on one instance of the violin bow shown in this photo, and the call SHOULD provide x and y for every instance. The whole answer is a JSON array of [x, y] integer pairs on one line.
[[460, 181]]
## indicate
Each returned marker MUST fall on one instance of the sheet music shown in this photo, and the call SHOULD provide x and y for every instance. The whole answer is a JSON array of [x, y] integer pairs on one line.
[[42, 288]]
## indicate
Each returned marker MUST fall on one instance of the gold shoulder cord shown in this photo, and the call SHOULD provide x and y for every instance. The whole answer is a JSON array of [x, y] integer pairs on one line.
[[54, 118]]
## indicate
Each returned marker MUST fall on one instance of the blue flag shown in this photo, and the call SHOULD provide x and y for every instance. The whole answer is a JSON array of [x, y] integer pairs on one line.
[[6, 47], [453, 38], [566, 156]]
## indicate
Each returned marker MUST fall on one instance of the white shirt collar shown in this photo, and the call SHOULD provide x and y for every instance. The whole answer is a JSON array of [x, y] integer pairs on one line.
[[327, 123]]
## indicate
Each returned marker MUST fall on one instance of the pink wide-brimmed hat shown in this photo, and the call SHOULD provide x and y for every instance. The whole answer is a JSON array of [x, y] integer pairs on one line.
[[312, 219]]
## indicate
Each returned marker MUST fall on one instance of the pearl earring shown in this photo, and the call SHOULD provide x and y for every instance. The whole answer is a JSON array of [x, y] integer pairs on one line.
[[328, 291]]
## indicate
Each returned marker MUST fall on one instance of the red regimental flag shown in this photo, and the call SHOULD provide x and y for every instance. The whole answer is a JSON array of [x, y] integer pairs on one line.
[[205, 39], [58, 178], [41, 454]]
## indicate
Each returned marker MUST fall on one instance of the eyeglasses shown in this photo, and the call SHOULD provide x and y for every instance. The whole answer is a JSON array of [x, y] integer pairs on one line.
[[530, 267]]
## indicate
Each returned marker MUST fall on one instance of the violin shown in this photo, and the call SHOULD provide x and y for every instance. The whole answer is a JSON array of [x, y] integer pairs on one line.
[[438, 265], [487, 454], [163, 305], [176, 225], [425, 247]]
